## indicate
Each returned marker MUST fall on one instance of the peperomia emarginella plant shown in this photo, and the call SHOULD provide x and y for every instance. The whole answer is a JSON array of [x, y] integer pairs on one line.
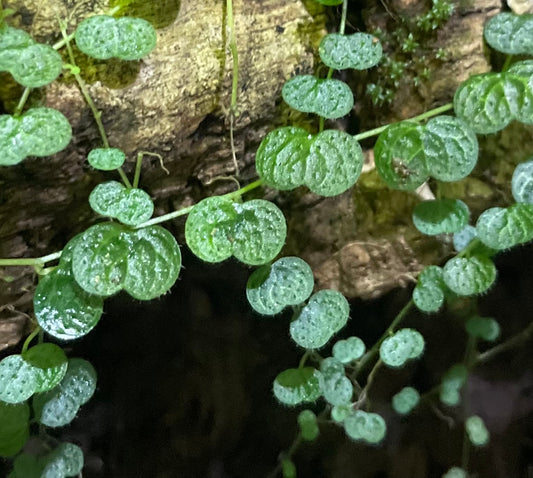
[[42, 385]]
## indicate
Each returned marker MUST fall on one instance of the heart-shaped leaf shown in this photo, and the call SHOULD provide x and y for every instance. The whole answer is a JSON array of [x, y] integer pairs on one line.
[[368, 427], [404, 345], [103, 37], [348, 350], [510, 33], [428, 295], [325, 97], [144, 262], [477, 431], [359, 51], [297, 385], [451, 384], [329, 163], [337, 389], [324, 315], [50, 363], [271, 288], [503, 228], [405, 400]]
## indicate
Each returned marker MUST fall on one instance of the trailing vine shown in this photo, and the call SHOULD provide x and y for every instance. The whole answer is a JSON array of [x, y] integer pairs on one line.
[[133, 253]]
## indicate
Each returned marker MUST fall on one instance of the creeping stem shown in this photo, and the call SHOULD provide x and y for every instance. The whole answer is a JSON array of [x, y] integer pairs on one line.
[[235, 80], [85, 92]]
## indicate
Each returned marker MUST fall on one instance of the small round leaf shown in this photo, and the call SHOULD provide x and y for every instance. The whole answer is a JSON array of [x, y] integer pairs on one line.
[[297, 385], [359, 51], [405, 400], [348, 350], [440, 216], [18, 379], [469, 275], [106, 159]]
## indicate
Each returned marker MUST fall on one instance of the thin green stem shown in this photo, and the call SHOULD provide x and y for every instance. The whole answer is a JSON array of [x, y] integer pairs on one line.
[[30, 338], [137, 176], [507, 62], [304, 358], [235, 79], [344, 13], [85, 92], [421, 117], [22, 101], [63, 42], [369, 356], [38, 261]]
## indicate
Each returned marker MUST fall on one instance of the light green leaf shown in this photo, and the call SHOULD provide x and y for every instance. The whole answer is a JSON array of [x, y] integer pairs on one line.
[[429, 293], [153, 264], [369, 427], [502, 228], [288, 468], [54, 408], [359, 51], [104, 198], [18, 379], [477, 431], [348, 350], [259, 232], [451, 148], [69, 457], [15, 428], [405, 400], [400, 157], [134, 207], [334, 163], [13, 38], [324, 315], [144, 262], [103, 37], [485, 328], [469, 275], [510, 33], [522, 182], [50, 363], [106, 159], [404, 345], [36, 65], [79, 382], [271, 288], [337, 389], [455, 472], [62, 308], [46, 131], [308, 425], [326, 97], [281, 157], [439, 216], [297, 385]]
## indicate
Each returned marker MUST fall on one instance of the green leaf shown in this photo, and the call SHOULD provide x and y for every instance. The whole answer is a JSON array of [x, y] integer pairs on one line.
[[369, 427], [79, 382], [288, 468], [485, 328], [54, 408], [50, 362], [271, 288], [489, 102], [522, 182], [15, 428], [18, 379], [337, 389], [439, 216], [308, 424], [405, 400], [153, 264], [62, 308], [469, 275], [328, 163], [359, 51], [103, 37], [326, 97], [451, 148], [334, 163], [455, 472], [104, 198], [69, 457], [106, 159], [404, 345], [144, 262], [430, 290], [254, 232], [259, 232], [39, 132], [324, 315], [208, 229], [37, 65], [452, 382], [281, 157], [477, 431], [510, 33], [348, 350], [13, 38], [502, 228], [462, 238], [400, 157], [297, 385]]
